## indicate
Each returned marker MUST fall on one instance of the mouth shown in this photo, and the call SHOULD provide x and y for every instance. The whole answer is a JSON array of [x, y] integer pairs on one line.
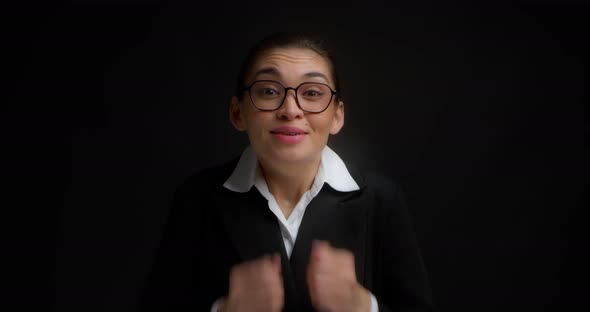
[[287, 133]]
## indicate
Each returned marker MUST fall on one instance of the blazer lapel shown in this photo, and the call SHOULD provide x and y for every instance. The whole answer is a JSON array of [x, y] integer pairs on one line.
[[337, 217], [254, 231], [251, 226]]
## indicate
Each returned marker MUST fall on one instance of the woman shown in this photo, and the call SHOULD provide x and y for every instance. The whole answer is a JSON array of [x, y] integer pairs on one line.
[[288, 225]]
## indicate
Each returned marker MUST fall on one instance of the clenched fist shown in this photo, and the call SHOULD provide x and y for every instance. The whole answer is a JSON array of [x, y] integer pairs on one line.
[[332, 282], [255, 285]]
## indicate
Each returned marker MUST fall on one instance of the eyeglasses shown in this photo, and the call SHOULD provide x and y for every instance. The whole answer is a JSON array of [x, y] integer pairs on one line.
[[269, 95]]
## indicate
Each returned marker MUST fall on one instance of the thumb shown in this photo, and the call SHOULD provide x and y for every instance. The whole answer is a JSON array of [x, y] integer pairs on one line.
[[319, 248], [276, 262]]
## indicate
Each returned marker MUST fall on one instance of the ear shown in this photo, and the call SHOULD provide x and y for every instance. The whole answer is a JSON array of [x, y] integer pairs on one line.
[[338, 121], [236, 115]]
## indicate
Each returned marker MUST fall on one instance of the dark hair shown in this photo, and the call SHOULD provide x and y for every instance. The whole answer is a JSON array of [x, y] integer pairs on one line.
[[286, 40]]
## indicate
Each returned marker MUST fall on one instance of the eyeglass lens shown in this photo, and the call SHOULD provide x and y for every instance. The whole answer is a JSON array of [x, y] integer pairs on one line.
[[269, 95]]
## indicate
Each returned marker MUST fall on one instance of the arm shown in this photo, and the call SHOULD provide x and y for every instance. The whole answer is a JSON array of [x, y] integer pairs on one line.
[[401, 282], [171, 284]]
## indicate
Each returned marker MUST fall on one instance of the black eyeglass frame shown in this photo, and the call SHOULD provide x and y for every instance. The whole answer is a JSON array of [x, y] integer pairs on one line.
[[249, 88]]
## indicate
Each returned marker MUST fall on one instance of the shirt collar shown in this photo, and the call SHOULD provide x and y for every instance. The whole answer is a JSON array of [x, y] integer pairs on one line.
[[332, 170]]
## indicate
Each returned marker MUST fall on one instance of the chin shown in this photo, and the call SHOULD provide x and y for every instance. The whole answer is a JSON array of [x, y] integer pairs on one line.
[[293, 154], [277, 153]]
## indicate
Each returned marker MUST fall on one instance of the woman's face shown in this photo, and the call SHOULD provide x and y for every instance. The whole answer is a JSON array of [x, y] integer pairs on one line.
[[266, 129]]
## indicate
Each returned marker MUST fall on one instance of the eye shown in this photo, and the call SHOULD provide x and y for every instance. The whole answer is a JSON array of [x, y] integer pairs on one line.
[[268, 91], [312, 93]]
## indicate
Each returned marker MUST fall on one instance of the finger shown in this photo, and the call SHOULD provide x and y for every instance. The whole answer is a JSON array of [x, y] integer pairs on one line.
[[258, 262], [277, 301], [280, 289], [276, 262], [311, 269], [320, 259], [333, 254], [311, 286], [316, 280], [318, 249], [277, 287], [340, 254], [324, 256], [318, 292]]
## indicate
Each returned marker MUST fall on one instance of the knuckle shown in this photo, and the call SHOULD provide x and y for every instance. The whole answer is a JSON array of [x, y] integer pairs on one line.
[[315, 284], [235, 270], [276, 301], [349, 255]]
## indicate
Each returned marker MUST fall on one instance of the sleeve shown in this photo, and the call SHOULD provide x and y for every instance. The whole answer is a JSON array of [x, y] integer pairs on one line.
[[216, 304], [400, 279], [171, 284], [374, 304]]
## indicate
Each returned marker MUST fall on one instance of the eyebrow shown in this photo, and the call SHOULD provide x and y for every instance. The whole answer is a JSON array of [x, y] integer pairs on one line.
[[316, 74], [267, 70], [273, 71]]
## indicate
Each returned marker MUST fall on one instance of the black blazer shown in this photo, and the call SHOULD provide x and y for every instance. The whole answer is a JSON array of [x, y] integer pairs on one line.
[[211, 228]]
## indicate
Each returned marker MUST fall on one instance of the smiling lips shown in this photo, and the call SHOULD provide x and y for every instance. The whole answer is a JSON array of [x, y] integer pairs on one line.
[[288, 135], [287, 131]]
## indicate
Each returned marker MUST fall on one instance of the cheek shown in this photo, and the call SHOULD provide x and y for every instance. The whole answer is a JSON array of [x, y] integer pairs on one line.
[[250, 118], [256, 123], [320, 124]]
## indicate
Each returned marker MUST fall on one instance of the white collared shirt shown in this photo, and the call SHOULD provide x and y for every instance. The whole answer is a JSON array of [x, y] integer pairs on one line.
[[332, 170]]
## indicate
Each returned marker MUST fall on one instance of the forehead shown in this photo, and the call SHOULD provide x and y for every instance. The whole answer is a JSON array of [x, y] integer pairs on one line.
[[291, 63]]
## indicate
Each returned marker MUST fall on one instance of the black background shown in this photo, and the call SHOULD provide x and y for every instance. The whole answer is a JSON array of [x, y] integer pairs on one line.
[[476, 110]]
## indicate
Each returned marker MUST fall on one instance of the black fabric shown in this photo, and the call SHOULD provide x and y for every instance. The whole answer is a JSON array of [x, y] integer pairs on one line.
[[211, 228]]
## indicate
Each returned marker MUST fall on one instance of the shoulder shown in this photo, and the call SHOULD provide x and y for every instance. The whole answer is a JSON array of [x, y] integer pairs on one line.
[[382, 194], [374, 181], [207, 179]]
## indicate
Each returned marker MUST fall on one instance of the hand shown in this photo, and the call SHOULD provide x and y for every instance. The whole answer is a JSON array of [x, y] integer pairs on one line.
[[255, 285], [331, 279]]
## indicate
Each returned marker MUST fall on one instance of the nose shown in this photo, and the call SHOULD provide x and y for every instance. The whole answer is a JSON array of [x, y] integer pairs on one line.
[[290, 110]]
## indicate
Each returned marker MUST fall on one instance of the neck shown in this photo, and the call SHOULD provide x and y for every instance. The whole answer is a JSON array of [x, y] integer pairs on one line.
[[288, 183]]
